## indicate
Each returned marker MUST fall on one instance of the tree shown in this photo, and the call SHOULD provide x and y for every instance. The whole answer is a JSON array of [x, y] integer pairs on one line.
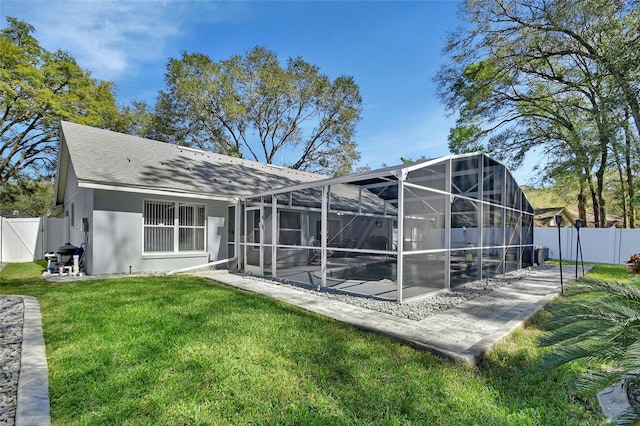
[[538, 74], [465, 138], [27, 197], [137, 119], [38, 89], [251, 107]]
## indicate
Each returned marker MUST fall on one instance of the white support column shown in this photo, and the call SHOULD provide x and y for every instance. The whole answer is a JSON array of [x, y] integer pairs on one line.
[[238, 235], [262, 232], [400, 248], [274, 235], [447, 228], [243, 240], [323, 238], [520, 249], [503, 191], [480, 226]]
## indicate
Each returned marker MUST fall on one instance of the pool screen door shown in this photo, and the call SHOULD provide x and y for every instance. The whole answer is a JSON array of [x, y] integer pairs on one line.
[[253, 248]]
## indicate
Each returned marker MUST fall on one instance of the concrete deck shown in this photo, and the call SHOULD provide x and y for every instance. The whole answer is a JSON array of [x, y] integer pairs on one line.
[[463, 334]]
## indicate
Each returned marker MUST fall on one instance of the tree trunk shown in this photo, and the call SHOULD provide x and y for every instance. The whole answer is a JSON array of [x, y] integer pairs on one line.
[[623, 190], [602, 209], [582, 202], [595, 203], [629, 171]]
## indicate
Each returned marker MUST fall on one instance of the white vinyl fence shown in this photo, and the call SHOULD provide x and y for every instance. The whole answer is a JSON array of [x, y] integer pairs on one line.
[[600, 245], [27, 239]]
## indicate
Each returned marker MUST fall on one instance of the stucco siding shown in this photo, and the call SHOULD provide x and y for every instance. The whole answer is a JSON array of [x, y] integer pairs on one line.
[[118, 233], [78, 205], [71, 182]]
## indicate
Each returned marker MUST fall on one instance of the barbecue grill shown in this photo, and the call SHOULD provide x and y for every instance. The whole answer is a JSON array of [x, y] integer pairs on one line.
[[67, 250]]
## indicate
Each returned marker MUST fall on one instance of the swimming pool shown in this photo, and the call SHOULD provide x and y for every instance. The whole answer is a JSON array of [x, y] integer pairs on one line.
[[370, 272]]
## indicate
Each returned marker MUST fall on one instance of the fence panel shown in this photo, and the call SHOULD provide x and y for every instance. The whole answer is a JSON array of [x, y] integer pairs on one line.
[[600, 245], [27, 239], [20, 239]]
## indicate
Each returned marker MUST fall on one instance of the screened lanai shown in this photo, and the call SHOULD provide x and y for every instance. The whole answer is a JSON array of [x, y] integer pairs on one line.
[[397, 233]]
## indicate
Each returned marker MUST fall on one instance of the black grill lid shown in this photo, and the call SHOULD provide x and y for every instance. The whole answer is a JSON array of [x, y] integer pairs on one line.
[[67, 249]]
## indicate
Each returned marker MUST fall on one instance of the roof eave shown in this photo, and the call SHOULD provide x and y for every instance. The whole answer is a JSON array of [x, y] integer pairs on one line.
[[61, 168], [154, 191]]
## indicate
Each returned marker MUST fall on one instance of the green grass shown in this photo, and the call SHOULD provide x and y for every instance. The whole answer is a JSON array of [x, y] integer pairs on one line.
[[610, 272], [185, 350]]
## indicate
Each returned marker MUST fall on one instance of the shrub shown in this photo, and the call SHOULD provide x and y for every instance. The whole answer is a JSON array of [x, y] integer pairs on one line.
[[599, 322], [634, 263]]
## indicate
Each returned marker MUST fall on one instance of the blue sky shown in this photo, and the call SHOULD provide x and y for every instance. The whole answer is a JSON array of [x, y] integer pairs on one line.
[[391, 48]]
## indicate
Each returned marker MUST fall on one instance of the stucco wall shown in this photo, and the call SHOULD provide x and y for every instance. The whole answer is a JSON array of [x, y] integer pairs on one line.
[[117, 235], [78, 204]]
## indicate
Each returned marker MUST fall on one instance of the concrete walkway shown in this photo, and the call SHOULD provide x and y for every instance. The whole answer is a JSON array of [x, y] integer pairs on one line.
[[33, 384], [463, 334], [32, 402]]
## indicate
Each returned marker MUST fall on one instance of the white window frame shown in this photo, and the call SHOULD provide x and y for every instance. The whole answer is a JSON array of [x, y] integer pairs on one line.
[[175, 226]]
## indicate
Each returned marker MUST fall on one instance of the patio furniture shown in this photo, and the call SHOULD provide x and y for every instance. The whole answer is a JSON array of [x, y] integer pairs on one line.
[[316, 253]]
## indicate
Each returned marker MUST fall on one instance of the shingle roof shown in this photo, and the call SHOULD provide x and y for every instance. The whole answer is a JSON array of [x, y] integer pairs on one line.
[[110, 158]]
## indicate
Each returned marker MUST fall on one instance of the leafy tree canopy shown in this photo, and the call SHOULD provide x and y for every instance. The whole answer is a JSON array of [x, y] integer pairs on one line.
[[252, 107], [27, 197], [38, 89], [556, 76]]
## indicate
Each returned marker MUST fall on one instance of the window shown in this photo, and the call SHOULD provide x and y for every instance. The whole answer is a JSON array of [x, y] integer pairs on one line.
[[173, 227], [191, 219], [290, 228]]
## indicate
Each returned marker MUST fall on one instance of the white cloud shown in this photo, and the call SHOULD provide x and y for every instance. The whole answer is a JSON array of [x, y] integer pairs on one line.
[[109, 38]]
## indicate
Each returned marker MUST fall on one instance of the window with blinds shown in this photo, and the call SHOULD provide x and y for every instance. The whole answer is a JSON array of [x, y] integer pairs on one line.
[[173, 227]]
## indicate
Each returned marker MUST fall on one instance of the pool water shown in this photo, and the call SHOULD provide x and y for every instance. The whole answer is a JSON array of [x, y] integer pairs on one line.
[[371, 272]]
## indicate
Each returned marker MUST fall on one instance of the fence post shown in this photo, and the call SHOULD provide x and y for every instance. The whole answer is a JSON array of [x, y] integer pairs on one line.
[[559, 223]]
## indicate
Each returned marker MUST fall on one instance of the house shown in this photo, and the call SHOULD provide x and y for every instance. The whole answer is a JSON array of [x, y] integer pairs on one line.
[[138, 205], [397, 233], [546, 217]]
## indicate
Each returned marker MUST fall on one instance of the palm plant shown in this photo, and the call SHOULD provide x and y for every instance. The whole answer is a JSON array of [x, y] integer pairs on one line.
[[599, 322]]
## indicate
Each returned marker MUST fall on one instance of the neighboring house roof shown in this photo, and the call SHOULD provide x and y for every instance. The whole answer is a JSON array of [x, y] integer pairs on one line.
[[547, 216], [103, 159]]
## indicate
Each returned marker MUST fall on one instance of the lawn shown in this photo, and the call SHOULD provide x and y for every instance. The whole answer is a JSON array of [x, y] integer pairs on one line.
[[185, 350]]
